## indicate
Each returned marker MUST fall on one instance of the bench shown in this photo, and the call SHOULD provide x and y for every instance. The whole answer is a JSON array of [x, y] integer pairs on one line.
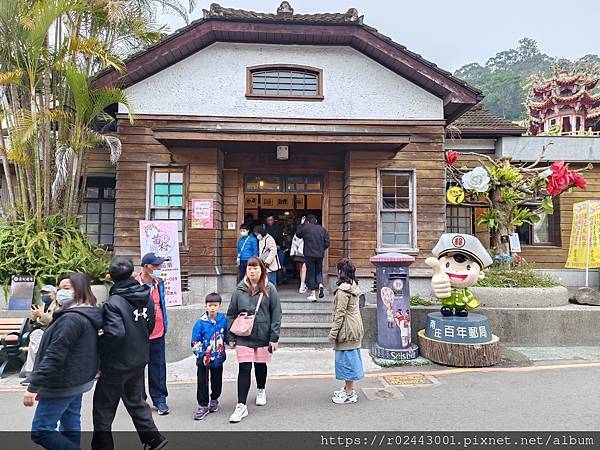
[[14, 334]]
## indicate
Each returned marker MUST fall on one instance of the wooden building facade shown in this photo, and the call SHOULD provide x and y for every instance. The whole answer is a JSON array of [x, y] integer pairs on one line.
[[359, 121]]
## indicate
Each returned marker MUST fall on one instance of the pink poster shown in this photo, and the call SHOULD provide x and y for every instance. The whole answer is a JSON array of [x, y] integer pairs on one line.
[[202, 213], [161, 237]]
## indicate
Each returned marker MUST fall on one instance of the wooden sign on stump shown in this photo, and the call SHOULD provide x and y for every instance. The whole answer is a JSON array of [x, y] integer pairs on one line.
[[459, 341]]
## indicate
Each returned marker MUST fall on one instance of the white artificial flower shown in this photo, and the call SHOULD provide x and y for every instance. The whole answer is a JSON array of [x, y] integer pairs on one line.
[[476, 180]]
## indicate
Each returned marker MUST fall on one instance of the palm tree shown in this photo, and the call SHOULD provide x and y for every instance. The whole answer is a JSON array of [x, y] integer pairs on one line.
[[49, 49]]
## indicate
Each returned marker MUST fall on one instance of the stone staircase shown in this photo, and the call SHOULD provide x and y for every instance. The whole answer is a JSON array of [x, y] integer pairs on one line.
[[303, 324]]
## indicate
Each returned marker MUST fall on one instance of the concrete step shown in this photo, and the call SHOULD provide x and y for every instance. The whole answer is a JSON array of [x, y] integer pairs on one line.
[[326, 300], [315, 342], [305, 330], [307, 316], [299, 306]]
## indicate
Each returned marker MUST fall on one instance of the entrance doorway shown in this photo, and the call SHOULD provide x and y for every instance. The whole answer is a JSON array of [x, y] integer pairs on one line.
[[287, 198]]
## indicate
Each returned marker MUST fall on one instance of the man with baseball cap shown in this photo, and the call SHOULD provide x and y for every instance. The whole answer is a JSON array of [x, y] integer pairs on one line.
[[157, 367]]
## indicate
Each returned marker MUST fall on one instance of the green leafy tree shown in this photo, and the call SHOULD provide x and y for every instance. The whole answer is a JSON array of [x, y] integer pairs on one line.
[[510, 189], [506, 77], [50, 114]]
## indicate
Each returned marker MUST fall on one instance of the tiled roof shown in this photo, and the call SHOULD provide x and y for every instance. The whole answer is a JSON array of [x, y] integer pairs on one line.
[[221, 24], [479, 120], [285, 13]]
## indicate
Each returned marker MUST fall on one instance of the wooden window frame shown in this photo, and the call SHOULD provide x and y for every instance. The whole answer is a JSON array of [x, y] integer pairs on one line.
[[472, 217], [295, 67], [183, 169], [553, 229], [412, 209], [284, 181], [108, 179]]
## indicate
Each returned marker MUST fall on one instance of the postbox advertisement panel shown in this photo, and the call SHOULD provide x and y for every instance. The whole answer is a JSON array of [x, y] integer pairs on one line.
[[393, 310]]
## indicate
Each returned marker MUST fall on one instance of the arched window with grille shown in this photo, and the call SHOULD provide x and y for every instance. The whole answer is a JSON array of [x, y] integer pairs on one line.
[[284, 82]]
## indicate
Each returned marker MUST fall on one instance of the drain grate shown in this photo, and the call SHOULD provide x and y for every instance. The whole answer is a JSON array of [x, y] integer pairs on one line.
[[403, 380]]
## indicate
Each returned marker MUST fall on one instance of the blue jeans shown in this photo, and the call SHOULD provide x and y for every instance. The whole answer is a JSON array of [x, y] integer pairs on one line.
[[272, 278], [157, 372], [50, 411], [242, 269]]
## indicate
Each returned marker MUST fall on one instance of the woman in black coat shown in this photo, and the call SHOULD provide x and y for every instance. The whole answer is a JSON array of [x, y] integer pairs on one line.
[[65, 366]]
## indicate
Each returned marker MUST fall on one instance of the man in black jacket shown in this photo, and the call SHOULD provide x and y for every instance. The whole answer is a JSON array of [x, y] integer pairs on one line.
[[124, 353], [316, 241]]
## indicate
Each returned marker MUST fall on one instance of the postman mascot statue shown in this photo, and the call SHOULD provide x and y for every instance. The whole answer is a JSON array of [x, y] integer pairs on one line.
[[458, 263]]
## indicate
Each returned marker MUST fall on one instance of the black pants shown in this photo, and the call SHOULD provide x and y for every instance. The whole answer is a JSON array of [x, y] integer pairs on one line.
[[216, 383], [129, 387], [314, 272], [157, 372], [243, 381]]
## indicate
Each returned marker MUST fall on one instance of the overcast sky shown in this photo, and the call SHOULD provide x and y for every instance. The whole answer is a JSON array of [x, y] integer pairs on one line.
[[452, 33]]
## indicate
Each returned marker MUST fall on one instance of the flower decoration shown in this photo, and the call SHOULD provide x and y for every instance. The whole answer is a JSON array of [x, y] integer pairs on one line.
[[562, 179], [578, 180], [476, 180], [451, 156]]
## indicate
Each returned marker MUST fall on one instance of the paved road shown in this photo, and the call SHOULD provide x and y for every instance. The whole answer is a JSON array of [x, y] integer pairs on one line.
[[542, 397]]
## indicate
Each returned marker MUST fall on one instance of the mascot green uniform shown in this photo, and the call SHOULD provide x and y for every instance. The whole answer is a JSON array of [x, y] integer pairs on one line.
[[458, 264]]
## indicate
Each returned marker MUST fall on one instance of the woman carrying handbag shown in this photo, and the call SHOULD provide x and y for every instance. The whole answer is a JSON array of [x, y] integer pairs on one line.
[[253, 323]]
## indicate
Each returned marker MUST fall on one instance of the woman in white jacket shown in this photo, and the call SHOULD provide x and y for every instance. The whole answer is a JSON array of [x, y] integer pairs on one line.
[[296, 252], [267, 251]]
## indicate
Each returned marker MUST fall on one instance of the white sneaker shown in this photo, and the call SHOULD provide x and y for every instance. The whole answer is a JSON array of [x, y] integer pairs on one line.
[[344, 398], [302, 289], [340, 392], [261, 397], [311, 298], [239, 413]]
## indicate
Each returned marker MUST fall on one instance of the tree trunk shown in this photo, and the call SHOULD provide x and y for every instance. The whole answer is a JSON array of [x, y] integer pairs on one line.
[[460, 355], [77, 190], [30, 178], [22, 191], [47, 141], [7, 175]]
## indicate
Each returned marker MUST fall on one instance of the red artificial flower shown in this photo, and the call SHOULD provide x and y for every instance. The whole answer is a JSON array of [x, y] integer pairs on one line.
[[451, 156], [552, 188], [560, 178], [578, 180]]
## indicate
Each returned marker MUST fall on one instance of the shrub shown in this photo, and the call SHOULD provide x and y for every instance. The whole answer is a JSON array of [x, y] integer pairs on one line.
[[519, 275], [57, 249]]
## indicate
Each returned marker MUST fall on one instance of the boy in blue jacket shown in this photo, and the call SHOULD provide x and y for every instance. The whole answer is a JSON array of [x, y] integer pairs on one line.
[[208, 344], [247, 247]]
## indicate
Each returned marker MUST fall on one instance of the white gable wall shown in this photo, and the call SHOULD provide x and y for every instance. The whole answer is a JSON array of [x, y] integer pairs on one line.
[[212, 82]]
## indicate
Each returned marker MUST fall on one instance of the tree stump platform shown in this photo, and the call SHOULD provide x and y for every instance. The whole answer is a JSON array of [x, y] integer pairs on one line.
[[458, 354]]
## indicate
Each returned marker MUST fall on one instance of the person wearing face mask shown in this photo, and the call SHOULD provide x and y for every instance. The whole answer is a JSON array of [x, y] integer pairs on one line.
[[65, 367], [247, 247], [157, 367], [267, 252], [40, 319]]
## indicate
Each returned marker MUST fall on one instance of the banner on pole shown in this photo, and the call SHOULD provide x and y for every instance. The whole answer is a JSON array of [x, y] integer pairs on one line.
[[584, 248], [161, 237]]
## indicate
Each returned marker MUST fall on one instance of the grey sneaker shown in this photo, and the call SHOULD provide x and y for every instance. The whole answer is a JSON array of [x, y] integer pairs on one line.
[[213, 406], [201, 412]]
